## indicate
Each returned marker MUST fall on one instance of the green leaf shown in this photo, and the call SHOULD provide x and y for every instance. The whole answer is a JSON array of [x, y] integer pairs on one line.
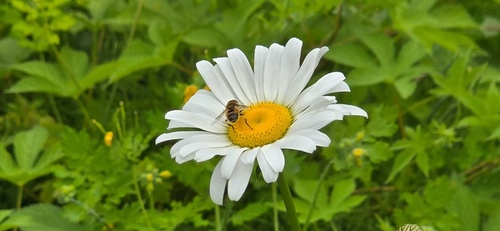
[[77, 61], [453, 16], [30, 162], [250, 212], [465, 205], [27, 146], [43, 217], [423, 163], [205, 37], [381, 46], [341, 192], [351, 54], [493, 222], [401, 161]]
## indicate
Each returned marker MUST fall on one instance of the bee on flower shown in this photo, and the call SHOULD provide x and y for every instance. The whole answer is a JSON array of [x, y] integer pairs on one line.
[[278, 113]]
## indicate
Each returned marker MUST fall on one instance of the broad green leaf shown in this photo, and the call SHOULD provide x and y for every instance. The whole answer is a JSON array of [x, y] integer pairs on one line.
[[305, 189], [7, 164], [351, 54], [381, 46], [30, 162], [405, 86], [33, 84], [45, 217], [365, 77], [27, 146], [77, 62], [341, 191], [379, 152], [98, 74]]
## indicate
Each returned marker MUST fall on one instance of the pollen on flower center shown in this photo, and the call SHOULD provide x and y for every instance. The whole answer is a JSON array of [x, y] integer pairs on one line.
[[260, 124]]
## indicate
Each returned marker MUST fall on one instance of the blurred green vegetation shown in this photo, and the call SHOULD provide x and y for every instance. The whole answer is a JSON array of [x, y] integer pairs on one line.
[[427, 72]]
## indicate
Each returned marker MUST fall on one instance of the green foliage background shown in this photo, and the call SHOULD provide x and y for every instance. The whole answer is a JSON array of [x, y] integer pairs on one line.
[[427, 72]]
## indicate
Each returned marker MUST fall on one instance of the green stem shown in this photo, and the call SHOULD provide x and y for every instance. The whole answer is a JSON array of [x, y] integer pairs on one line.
[[290, 207], [151, 200], [139, 198], [316, 193], [52, 103], [19, 199], [217, 218], [275, 209]]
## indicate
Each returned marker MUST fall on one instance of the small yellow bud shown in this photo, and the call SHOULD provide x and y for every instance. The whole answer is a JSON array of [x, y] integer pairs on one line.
[[149, 177], [165, 174], [360, 135], [108, 138], [189, 91], [66, 189], [358, 152]]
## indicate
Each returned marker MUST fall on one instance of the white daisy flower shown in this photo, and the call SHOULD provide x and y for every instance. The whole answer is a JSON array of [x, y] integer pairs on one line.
[[278, 114]]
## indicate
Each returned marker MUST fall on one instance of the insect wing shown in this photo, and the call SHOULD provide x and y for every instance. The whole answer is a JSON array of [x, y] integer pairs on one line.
[[218, 117]]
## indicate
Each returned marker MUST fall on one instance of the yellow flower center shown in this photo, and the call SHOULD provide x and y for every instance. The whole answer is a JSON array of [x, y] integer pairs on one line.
[[260, 124]]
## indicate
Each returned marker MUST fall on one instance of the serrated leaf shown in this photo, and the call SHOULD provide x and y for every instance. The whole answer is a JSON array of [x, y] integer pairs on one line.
[[401, 161], [341, 191], [422, 161], [30, 162], [305, 189], [27, 146], [381, 46]]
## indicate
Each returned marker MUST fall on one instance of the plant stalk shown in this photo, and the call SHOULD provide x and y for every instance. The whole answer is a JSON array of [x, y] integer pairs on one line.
[[290, 207]]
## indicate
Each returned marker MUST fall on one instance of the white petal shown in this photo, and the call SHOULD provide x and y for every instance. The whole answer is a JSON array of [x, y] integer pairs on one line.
[[239, 180], [217, 84], [177, 135], [271, 68], [229, 162], [296, 142], [290, 63], [248, 157], [244, 73], [197, 139], [313, 121], [304, 74], [208, 153], [211, 142], [225, 69], [217, 185], [259, 66], [316, 90], [183, 159], [202, 122], [319, 138], [341, 87], [267, 171], [349, 110], [204, 102], [274, 156]]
